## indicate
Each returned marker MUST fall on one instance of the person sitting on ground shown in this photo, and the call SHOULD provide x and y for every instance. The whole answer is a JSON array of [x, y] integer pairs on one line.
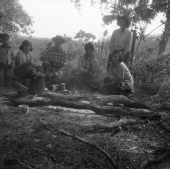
[[87, 74], [119, 79], [121, 40], [54, 58], [7, 58], [24, 63]]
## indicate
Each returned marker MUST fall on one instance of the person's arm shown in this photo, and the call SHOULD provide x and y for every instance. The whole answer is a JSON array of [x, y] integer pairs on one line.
[[80, 65], [129, 43], [111, 43], [32, 61], [44, 55], [97, 68], [13, 60], [19, 60]]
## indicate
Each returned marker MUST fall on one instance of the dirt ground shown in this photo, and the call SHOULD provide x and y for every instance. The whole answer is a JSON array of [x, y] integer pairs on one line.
[[30, 138]]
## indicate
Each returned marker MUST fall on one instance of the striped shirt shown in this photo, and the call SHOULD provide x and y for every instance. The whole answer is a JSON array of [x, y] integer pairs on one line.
[[52, 53], [89, 63], [7, 55], [122, 73], [22, 57]]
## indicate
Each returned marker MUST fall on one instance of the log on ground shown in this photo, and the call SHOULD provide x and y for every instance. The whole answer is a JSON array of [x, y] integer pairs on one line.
[[102, 110], [102, 100]]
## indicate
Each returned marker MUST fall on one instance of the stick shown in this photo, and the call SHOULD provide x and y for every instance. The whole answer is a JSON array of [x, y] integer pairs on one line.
[[112, 162]]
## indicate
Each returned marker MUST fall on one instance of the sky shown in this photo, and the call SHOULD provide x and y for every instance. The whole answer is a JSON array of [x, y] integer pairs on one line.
[[59, 17]]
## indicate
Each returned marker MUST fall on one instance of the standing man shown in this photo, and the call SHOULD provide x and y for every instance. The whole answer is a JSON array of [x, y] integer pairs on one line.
[[6, 61], [121, 40]]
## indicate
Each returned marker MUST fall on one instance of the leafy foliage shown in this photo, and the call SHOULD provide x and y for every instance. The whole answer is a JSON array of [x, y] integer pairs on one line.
[[14, 19], [85, 36], [137, 11], [160, 6]]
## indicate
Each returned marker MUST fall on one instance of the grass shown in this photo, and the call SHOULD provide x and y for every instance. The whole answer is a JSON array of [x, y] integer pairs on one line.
[[28, 142]]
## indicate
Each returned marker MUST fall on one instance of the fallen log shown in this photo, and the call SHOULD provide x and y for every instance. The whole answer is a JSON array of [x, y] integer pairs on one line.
[[117, 126], [102, 110], [102, 100]]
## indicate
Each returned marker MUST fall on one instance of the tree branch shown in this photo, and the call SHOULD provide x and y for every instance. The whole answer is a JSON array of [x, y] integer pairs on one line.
[[112, 162]]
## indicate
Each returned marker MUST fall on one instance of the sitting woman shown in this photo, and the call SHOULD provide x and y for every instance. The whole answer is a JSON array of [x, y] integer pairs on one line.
[[24, 64], [119, 79], [87, 69]]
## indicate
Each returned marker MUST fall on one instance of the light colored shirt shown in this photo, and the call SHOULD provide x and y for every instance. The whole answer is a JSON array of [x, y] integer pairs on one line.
[[122, 73], [22, 57], [88, 63], [121, 40], [7, 55]]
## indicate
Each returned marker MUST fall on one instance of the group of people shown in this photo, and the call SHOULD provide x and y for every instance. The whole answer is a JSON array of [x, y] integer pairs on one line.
[[118, 80]]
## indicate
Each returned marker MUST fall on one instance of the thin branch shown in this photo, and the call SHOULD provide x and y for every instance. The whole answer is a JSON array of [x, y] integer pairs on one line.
[[147, 55], [145, 37], [112, 162], [154, 30]]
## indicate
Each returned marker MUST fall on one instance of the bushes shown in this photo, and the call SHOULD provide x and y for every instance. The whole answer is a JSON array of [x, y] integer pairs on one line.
[[147, 74]]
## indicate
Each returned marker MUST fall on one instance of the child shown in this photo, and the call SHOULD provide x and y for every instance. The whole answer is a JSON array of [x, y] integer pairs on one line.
[[6, 61]]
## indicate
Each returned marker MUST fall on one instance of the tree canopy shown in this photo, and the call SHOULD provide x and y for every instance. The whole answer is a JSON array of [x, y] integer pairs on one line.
[[13, 18], [85, 36]]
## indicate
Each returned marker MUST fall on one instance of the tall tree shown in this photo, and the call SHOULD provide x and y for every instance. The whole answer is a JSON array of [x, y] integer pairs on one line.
[[13, 18]]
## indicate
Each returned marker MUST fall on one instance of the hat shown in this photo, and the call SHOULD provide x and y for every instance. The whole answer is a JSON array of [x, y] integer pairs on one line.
[[59, 38]]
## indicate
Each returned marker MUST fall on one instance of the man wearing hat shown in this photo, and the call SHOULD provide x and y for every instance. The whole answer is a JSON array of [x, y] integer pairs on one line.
[[7, 58], [121, 39], [53, 58], [54, 55]]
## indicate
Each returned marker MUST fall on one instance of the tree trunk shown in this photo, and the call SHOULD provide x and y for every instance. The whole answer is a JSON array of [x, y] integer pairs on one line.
[[133, 47], [167, 30]]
